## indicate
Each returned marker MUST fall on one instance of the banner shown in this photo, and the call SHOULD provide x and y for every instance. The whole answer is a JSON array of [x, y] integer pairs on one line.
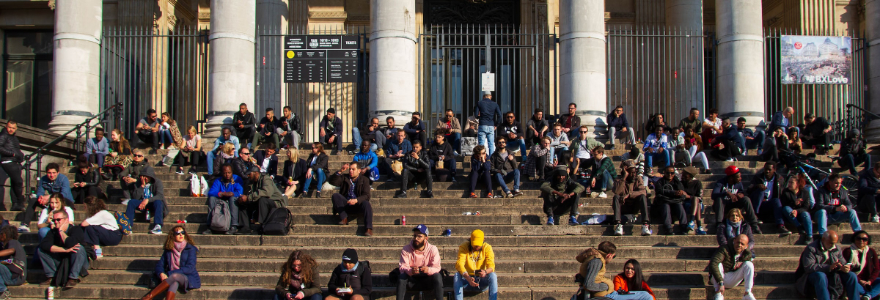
[[815, 59]]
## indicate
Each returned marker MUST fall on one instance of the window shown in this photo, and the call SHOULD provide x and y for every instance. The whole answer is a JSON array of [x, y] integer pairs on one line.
[[27, 81]]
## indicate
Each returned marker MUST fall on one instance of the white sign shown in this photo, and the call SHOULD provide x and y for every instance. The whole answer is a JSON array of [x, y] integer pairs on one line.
[[488, 82], [815, 59]]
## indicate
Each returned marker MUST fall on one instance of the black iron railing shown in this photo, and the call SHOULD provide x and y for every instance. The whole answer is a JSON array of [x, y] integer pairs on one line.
[[855, 118]]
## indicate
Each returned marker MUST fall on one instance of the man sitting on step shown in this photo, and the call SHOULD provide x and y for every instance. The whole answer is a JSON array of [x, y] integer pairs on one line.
[[420, 266], [259, 199], [823, 272], [732, 264], [603, 172], [395, 150], [267, 160], [369, 160], [354, 195], [475, 267], [226, 137], [765, 192], [505, 168], [65, 243], [869, 188], [669, 202], [130, 174], [591, 274], [630, 197], [833, 205], [729, 193], [52, 182], [228, 189], [416, 166], [561, 194], [146, 194]]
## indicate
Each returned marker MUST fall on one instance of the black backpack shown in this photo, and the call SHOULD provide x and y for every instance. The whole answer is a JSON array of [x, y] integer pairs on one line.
[[278, 222]]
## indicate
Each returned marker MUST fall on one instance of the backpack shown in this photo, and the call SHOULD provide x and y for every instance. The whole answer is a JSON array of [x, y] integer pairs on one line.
[[278, 222], [221, 218], [124, 223]]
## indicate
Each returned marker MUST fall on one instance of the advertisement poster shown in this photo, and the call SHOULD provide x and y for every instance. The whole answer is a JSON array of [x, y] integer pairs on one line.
[[815, 59]]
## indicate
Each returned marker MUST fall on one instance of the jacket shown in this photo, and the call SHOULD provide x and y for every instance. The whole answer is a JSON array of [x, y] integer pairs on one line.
[[392, 146], [870, 270], [91, 178], [311, 288], [618, 122], [789, 198], [122, 148], [265, 187], [411, 128], [100, 147], [369, 160], [634, 187], [779, 120], [288, 124], [188, 259], [219, 186], [776, 189], [725, 256], [868, 184], [620, 283], [431, 259], [723, 239], [722, 185], [853, 144], [654, 142], [666, 191], [436, 150], [488, 112], [564, 118], [816, 128], [576, 146], [478, 167], [566, 185], [269, 125], [816, 258], [361, 186], [336, 125], [134, 170], [360, 280], [135, 191], [502, 165], [729, 134], [320, 163], [585, 258], [248, 120], [61, 184], [240, 166], [825, 200], [10, 148], [412, 164], [295, 170], [555, 140], [469, 263], [454, 126], [507, 128], [260, 156]]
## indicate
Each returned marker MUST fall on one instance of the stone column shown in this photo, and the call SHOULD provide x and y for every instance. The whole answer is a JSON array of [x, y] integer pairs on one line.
[[740, 60], [872, 26], [685, 54], [233, 26], [582, 77], [685, 14], [77, 57], [392, 59]]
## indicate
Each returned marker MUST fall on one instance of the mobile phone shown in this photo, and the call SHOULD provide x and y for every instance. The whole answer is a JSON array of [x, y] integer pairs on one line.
[[848, 264]]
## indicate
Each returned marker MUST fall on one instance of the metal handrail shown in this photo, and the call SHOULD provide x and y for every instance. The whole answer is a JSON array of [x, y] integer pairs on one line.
[[873, 115], [30, 158]]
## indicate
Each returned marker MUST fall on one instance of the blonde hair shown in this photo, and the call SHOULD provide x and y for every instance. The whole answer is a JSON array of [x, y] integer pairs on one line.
[[292, 154], [228, 149], [192, 129]]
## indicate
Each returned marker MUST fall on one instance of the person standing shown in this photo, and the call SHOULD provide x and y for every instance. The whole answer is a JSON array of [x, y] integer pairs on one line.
[[488, 113], [244, 123], [420, 265], [618, 125], [11, 158]]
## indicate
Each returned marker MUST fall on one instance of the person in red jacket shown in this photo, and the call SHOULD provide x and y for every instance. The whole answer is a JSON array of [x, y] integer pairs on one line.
[[864, 263], [632, 281]]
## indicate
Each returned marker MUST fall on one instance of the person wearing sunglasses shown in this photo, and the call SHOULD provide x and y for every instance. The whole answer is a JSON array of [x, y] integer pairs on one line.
[[130, 174], [823, 271], [864, 263], [176, 269], [581, 147], [53, 182], [13, 268], [241, 164], [618, 125], [511, 130], [65, 243], [146, 195], [669, 201]]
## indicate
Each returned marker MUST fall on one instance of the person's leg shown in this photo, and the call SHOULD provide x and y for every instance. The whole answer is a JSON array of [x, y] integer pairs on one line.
[[612, 135], [13, 171], [80, 260], [308, 181], [677, 210], [6, 278], [474, 177], [402, 281], [450, 164], [492, 281], [210, 163], [404, 182], [339, 202], [90, 234], [667, 158], [821, 221], [356, 137], [664, 211], [266, 206], [437, 285], [615, 207], [131, 208], [649, 160], [321, 179], [500, 179], [175, 281], [458, 284], [540, 165], [158, 211], [605, 180], [49, 262], [481, 135], [515, 176], [429, 180], [43, 232], [455, 139], [748, 211], [490, 136], [702, 157], [760, 135], [874, 290], [866, 158], [718, 207], [848, 161], [632, 135], [819, 281], [487, 180], [367, 211], [851, 285], [549, 204]]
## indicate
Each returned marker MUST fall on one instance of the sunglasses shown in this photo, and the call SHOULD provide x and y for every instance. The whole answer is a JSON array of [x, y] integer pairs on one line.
[[138, 155], [864, 239], [179, 233], [58, 219], [245, 153], [584, 131]]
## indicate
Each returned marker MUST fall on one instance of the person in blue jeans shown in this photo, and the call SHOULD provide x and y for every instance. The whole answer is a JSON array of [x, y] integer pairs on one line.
[[146, 194], [14, 273], [513, 133], [56, 248], [765, 192], [833, 205], [370, 133], [751, 139], [655, 147], [505, 168], [603, 171], [795, 208], [317, 169], [226, 137], [475, 267], [488, 112], [864, 263], [820, 262]]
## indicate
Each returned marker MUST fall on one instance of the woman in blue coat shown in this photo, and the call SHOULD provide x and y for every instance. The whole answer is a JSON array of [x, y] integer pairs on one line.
[[177, 268]]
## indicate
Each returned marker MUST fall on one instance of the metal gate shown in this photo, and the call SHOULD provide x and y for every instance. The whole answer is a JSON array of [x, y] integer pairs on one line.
[[145, 69], [453, 57], [659, 70]]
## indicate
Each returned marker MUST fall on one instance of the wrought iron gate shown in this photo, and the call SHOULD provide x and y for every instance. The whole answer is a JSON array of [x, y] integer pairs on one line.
[[453, 57]]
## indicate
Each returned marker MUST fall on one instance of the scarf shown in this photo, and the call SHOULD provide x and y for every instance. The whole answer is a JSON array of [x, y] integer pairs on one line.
[[296, 282], [175, 255], [344, 270], [733, 229], [858, 258]]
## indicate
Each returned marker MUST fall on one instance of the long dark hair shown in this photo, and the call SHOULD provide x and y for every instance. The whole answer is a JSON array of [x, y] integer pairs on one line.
[[307, 271], [635, 283], [94, 205]]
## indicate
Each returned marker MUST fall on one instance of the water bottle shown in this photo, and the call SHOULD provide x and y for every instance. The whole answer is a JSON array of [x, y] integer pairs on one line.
[[148, 215]]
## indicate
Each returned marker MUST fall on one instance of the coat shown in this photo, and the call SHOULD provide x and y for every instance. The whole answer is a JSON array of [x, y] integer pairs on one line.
[[412, 164], [135, 191], [584, 258], [502, 165], [825, 201], [247, 119], [360, 280], [724, 256], [273, 162], [361, 187], [187, 266], [454, 126], [311, 288], [10, 149], [814, 260], [295, 170], [320, 163]]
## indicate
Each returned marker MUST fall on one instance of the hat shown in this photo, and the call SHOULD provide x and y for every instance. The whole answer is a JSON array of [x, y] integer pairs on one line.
[[477, 238], [350, 255], [421, 229], [691, 170], [731, 170], [487, 93], [253, 169], [331, 110], [629, 163]]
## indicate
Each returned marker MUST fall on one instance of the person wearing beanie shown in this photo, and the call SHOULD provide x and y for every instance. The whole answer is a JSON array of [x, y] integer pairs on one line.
[[351, 280], [262, 197], [420, 265], [729, 193], [475, 267], [331, 129]]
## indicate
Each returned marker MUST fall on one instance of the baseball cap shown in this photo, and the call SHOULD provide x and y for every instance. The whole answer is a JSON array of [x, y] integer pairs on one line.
[[477, 238], [691, 170], [421, 229], [731, 170]]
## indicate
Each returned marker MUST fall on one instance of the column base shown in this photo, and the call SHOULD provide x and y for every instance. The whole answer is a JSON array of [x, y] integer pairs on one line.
[[598, 128], [401, 117], [216, 122], [62, 123]]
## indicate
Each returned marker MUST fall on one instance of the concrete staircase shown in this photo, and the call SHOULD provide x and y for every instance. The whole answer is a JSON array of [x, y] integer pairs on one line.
[[534, 261]]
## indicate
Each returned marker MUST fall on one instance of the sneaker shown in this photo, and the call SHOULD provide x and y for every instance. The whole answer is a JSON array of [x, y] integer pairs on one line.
[[179, 172], [5, 295], [875, 219], [430, 194], [783, 231], [719, 296], [456, 153], [550, 221], [701, 231], [390, 179], [610, 147], [157, 229], [865, 297], [573, 221], [317, 194], [749, 296], [453, 179], [400, 194], [473, 195], [231, 231], [517, 193], [757, 229], [207, 232], [509, 195], [490, 195], [192, 171], [603, 195], [24, 228], [760, 151], [691, 226], [618, 230], [729, 160], [646, 230], [99, 253], [808, 239]]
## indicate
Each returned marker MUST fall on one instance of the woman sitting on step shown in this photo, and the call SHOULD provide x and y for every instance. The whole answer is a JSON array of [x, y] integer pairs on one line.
[[100, 228], [56, 202], [176, 269], [299, 278], [119, 157], [632, 281]]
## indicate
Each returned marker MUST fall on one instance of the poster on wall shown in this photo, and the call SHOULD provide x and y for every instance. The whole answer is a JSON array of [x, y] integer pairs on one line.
[[815, 59]]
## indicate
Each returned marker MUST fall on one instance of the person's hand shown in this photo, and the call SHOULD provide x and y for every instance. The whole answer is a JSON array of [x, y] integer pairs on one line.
[[299, 295], [510, 157], [650, 149], [113, 154], [732, 197], [593, 182], [242, 199], [794, 213], [421, 170], [331, 140], [423, 269], [322, 132], [268, 134], [162, 277], [842, 208], [283, 133], [845, 268], [414, 155], [483, 273], [155, 129], [471, 282], [536, 132], [623, 129], [262, 125], [720, 289], [128, 179], [835, 266], [44, 199], [680, 193], [240, 125], [661, 150], [143, 204], [73, 249], [344, 168], [566, 130], [762, 187], [865, 283], [352, 201], [309, 174]]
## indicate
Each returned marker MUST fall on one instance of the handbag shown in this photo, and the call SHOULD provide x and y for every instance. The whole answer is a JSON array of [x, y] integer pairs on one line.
[[397, 167], [439, 164]]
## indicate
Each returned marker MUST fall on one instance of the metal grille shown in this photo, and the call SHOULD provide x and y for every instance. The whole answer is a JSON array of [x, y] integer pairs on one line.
[[144, 69], [823, 100], [453, 57]]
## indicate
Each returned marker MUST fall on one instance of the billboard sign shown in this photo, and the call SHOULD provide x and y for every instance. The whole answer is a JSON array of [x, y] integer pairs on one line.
[[815, 59]]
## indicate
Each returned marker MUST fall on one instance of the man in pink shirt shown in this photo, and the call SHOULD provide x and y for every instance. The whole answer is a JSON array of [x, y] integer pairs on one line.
[[420, 266]]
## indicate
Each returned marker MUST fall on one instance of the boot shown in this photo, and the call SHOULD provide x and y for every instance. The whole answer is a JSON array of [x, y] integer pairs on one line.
[[170, 295], [162, 287]]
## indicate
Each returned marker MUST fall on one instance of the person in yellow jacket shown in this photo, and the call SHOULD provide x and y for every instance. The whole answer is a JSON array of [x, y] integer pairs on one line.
[[475, 267]]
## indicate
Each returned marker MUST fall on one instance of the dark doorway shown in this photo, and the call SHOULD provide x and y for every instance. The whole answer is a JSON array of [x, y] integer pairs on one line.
[[484, 12]]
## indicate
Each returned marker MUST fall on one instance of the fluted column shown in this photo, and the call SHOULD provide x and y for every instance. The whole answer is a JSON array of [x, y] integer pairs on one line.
[[582, 77], [231, 82], [740, 59], [392, 59], [77, 57], [872, 26]]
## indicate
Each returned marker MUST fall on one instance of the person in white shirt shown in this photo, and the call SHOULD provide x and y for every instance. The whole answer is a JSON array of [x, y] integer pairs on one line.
[[100, 228], [56, 202], [656, 147], [711, 127]]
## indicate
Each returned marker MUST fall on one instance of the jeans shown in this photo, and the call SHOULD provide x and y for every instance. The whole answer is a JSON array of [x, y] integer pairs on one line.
[[42, 232], [489, 282], [772, 206], [476, 176], [518, 142], [357, 139], [873, 291], [6, 279], [803, 219], [233, 209], [321, 179], [424, 282], [152, 137], [850, 161], [261, 138], [95, 158], [701, 156], [99, 236], [78, 261], [604, 180], [553, 152], [757, 142], [211, 155], [502, 180], [165, 137], [337, 140], [649, 158], [455, 140], [613, 133], [819, 281], [154, 206], [633, 295], [343, 209], [639, 205], [823, 219], [487, 133]]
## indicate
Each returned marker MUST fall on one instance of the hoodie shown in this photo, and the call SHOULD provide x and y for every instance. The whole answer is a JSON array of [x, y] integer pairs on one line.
[[566, 185], [853, 144], [136, 191], [220, 187]]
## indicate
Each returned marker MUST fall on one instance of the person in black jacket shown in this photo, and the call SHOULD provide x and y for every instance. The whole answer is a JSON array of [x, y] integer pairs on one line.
[[729, 193], [289, 131], [853, 151], [353, 197], [85, 182], [353, 276], [268, 129], [331, 129], [693, 189], [295, 169], [10, 161], [70, 247], [415, 129], [269, 167], [764, 192], [370, 132], [796, 208], [439, 151], [669, 199], [505, 168], [619, 125], [481, 168], [816, 133], [833, 205], [869, 188], [244, 123], [513, 133], [726, 145], [316, 169], [416, 166]]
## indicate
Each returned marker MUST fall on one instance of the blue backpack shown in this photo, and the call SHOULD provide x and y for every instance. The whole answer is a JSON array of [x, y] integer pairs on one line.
[[124, 223]]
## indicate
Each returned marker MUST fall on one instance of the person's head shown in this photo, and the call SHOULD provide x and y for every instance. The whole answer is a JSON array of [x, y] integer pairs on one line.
[[770, 169], [599, 152], [145, 179], [354, 169], [609, 249], [60, 218], [829, 239], [331, 113], [116, 135], [557, 129], [299, 263], [792, 184], [292, 154], [270, 113], [741, 123], [245, 153], [417, 146], [501, 143], [177, 234], [269, 148], [228, 149], [137, 155], [226, 172], [539, 114], [365, 147], [740, 243], [317, 148], [227, 133], [509, 117], [349, 258], [545, 142], [52, 171], [479, 152], [374, 122], [583, 131], [734, 215], [793, 134], [12, 126], [166, 117], [192, 131], [242, 108], [94, 205], [834, 182], [669, 172], [632, 271], [439, 139], [286, 111], [618, 110], [861, 239], [83, 167], [659, 118], [487, 95], [572, 108], [56, 201], [787, 112], [253, 174], [401, 135], [99, 132], [449, 115], [390, 122], [688, 131], [694, 113], [658, 131], [712, 113], [420, 236], [688, 174], [416, 116], [725, 123], [151, 114], [477, 240], [8, 233]]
